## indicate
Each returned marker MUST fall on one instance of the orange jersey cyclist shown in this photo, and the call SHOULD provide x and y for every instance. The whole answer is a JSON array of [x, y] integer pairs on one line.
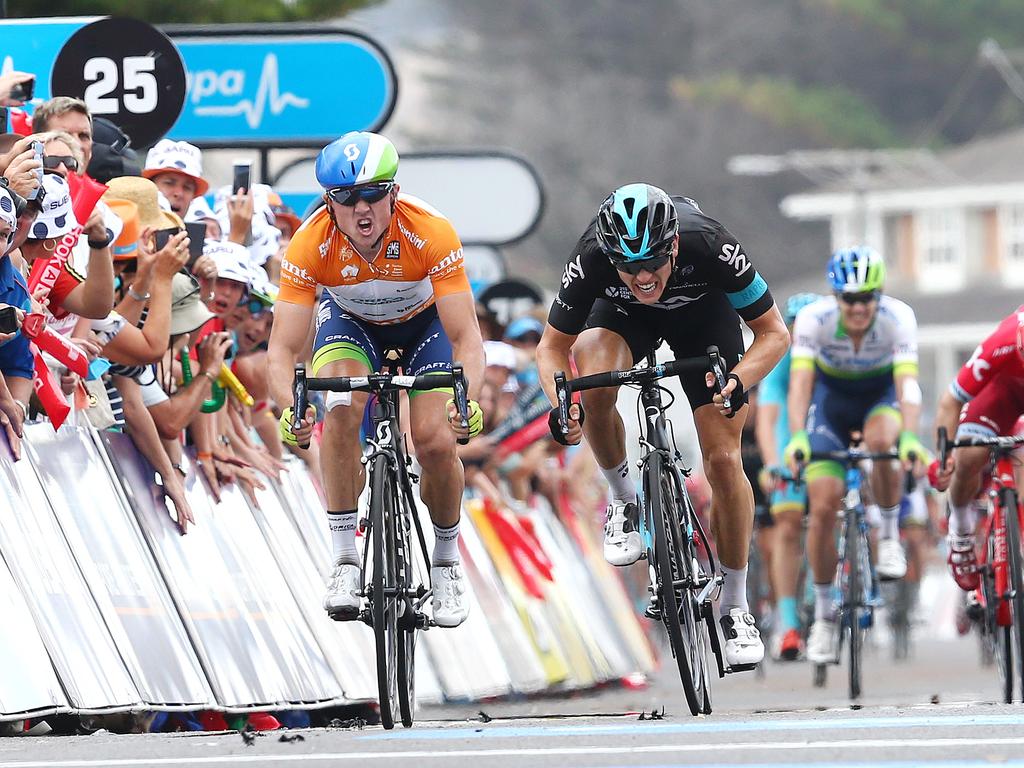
[[393, 278]]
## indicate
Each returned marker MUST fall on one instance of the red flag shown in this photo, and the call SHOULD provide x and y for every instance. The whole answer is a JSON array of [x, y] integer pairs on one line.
[[21, 121], [48, 391], [67, 352]]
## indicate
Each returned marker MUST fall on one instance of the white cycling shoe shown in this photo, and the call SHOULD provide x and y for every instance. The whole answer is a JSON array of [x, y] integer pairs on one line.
[[892, 560], [451, 606], [623, 544], [821, 642], [743, 644], [342, 601]]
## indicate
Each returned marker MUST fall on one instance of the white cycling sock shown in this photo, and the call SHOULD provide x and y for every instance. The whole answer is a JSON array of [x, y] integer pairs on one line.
[[890, 522], [734, 590], [343, 536], [823, 602], [623, 489], [961, 520], [446, 545]]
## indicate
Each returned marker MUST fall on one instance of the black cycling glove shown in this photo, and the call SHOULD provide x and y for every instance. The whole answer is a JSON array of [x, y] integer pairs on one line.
[[556, 429], [738, 398]]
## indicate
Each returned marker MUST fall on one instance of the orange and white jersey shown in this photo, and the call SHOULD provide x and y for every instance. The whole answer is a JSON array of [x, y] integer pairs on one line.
[[420, 260]]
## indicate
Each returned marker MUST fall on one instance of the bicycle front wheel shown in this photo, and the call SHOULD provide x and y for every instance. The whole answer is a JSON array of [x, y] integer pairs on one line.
[[383, 601], [674, 563], [999, 638], [1008, 498], [854, 599], [407, 615]]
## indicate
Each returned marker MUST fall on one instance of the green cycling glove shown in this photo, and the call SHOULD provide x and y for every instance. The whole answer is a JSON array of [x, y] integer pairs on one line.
[[798, 443]]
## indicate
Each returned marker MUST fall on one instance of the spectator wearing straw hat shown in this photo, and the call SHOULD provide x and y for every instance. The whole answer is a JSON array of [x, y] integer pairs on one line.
[[176, 167]]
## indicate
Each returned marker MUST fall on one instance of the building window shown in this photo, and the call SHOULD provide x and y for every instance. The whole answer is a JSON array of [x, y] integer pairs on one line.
[[1012, 231], [941, 249]]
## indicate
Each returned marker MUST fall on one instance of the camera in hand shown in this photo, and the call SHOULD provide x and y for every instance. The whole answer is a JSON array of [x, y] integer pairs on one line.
[[162, 236], [196, 240], [23, 91], [37, 193], [242, 176], [9, 319]]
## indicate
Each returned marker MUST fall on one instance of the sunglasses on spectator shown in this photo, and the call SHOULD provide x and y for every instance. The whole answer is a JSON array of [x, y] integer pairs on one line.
[[53, 162], [370, 193], [652, 264], [864, 297], [254, 305]]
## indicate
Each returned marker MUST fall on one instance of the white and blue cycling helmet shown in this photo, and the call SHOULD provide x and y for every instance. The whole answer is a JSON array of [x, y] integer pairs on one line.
[[358, 157], [860, 269], [636, 222]]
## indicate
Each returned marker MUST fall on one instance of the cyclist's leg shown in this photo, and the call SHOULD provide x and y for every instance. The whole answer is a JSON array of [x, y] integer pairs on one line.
[[785, 568], [442, 480], [881, 431], [342, 348], [612, 340]]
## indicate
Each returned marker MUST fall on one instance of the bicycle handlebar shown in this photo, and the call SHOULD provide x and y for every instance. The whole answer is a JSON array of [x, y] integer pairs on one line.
[[379, 382], [848, 456], [564, 387], [945, 445]]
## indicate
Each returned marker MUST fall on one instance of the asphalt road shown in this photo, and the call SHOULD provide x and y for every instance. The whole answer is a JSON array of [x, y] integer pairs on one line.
[[936, 710]]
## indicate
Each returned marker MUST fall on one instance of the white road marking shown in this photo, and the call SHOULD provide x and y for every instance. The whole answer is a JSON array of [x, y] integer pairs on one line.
[[777, 746]]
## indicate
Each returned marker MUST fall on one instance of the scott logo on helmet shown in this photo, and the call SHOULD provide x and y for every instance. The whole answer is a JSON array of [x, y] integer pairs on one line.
[[734, 257], [351, 152]]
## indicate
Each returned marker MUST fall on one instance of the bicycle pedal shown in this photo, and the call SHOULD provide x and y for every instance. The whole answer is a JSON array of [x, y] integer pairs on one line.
[[741, 668], [344, 614], [366, 617]]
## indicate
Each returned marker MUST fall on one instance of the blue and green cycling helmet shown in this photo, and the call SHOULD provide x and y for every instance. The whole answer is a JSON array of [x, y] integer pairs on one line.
[[358, 157], [636, 223], [795, 303], [856, 270]]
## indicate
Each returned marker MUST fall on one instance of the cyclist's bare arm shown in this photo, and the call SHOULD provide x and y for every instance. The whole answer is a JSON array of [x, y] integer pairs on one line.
[[908, 394], [801, 385], [771, 340], [948, 413], [767, 416], [457, 313], [553, 355], [287, 344]]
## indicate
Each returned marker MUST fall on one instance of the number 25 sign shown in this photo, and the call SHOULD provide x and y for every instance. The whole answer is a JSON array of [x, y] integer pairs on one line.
[[126, 71]]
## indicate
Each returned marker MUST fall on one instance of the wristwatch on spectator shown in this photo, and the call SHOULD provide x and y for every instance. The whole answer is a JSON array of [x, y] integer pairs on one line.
[[99, 245], [137, 296]]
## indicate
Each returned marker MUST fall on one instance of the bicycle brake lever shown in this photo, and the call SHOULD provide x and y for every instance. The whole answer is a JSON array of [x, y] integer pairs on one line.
[[718, 371], [300, 398], [459, 387], [563, 402]]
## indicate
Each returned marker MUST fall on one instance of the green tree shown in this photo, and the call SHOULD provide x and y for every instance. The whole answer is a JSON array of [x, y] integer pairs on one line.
[[194, 12]]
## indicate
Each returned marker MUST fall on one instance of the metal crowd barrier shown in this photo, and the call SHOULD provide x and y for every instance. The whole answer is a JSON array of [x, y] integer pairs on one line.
[[107, 608]]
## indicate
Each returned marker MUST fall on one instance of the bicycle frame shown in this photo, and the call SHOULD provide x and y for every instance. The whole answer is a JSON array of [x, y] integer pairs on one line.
[[854, 518]]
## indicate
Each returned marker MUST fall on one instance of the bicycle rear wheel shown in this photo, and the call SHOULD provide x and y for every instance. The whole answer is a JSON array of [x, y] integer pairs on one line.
[[383, 603], [680, 613], [1008, 498], [854, 600]]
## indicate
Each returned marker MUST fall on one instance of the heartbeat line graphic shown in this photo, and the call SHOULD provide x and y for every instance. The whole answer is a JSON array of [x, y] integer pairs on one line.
[[267, 94]]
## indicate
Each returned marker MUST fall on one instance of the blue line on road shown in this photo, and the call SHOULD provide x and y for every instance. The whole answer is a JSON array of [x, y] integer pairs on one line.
[[873, 764], [633, 726]]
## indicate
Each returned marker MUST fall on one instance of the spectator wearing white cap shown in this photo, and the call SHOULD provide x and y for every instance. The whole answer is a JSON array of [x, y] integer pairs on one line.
[[91, 296], [176, 167], [200, 210], [233, 276]]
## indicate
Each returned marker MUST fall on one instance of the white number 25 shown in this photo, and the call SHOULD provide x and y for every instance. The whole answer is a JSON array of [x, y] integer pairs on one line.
[[140, 86]]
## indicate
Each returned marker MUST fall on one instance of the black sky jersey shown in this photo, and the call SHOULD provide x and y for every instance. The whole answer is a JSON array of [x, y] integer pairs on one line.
[[710, 263]]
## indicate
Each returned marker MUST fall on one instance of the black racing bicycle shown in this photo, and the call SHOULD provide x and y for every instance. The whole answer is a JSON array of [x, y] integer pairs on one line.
[[400, 583], [683, 570]]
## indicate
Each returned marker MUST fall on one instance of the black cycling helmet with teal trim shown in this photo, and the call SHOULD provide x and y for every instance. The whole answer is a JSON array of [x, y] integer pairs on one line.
[[795, 303], [358, 157], [636, 222]]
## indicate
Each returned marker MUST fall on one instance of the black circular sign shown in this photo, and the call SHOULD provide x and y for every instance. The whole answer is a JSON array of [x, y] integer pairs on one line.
[[510, 299], [126, 71]]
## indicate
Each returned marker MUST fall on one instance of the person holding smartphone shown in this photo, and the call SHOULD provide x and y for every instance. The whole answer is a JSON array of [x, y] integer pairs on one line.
[[16, 88], [176, 167]]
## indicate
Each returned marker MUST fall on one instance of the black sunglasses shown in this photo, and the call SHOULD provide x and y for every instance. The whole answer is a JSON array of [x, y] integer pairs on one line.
[[634, 268], [52, 162], [370, 193], [864, 297]]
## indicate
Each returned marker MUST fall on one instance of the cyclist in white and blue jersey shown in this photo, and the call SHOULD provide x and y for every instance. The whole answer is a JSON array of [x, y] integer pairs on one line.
[[786, 499], [854, 368]]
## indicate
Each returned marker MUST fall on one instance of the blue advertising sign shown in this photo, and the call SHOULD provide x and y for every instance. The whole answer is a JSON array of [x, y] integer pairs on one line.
[[279, 85], [283, 89]]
